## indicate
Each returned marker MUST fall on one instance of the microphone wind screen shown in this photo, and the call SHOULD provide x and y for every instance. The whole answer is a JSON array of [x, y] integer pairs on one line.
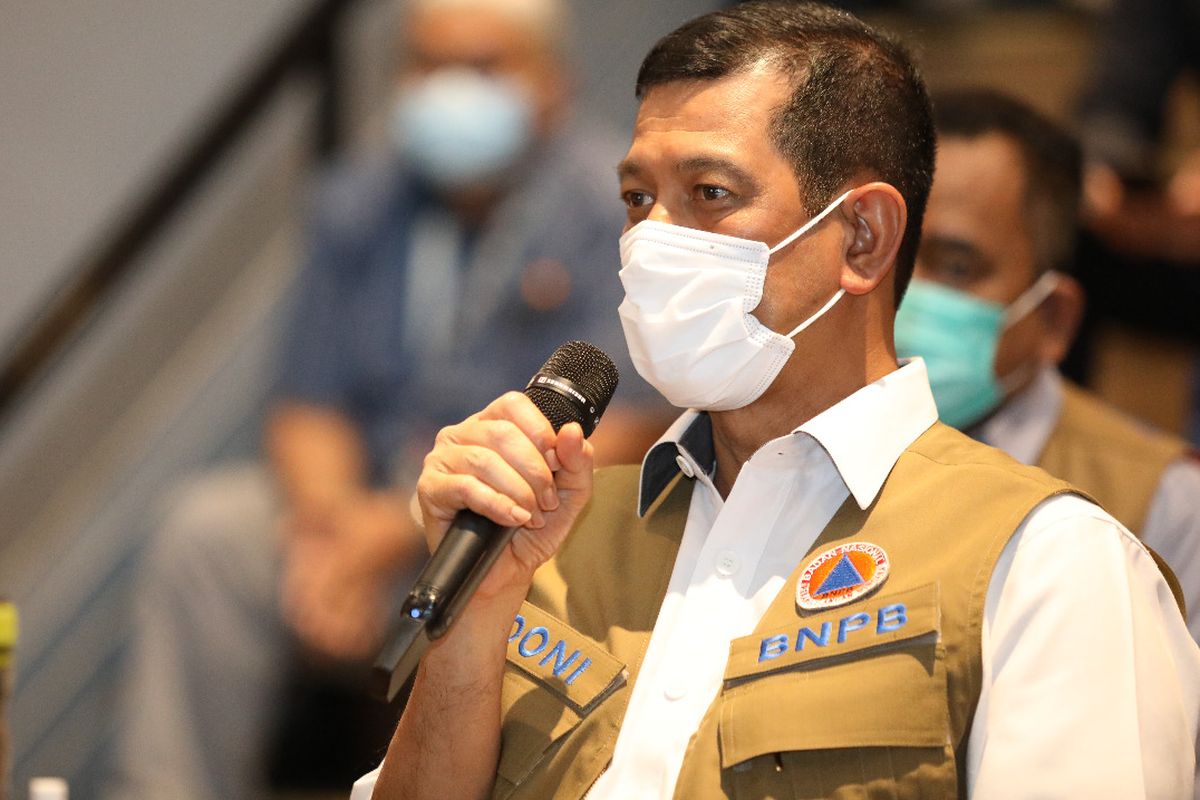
[[590, 370]]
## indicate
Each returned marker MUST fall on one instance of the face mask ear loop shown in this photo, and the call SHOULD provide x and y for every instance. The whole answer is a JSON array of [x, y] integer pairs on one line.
[[836, 296], [1010, 382], [1030, 299], [808, 226]]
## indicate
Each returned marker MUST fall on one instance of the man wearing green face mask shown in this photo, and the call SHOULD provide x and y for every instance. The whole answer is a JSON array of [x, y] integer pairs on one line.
[[993, 311]]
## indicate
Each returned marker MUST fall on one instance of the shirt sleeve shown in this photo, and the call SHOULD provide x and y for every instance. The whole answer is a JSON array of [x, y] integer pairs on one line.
[[1172, 528], [1091, 682], [312, 368]]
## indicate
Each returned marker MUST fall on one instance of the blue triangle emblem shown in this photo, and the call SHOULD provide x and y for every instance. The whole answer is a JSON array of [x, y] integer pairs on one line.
[[844, 575]]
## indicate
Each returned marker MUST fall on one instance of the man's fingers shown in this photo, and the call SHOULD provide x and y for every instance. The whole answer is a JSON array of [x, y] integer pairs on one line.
[[333, 613], [500, 453], [576, 455], [445, 495], [519, 476], [508, 464], [518, 409]]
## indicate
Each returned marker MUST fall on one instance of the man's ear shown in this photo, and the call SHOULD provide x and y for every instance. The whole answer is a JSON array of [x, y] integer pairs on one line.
[[876, 214], [1059, 316]]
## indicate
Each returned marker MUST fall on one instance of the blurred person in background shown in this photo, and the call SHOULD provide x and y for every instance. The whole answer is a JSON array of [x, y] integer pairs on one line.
[[1141, 263], [993, 309], [438, 277], [1144, 48]]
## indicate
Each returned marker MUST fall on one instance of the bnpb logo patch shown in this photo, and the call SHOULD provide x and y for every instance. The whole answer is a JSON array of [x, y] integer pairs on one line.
[[841, 575]]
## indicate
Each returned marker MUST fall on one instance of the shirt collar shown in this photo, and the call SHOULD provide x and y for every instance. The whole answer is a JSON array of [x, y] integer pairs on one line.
[[691, 434], [1022, 426], [864, 434]]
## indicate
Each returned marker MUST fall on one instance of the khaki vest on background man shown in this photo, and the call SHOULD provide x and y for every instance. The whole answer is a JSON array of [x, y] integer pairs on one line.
[[879, 694], [1110, 455]]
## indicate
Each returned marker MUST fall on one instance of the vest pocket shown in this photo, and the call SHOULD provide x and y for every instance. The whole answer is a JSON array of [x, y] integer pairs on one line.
[[867, 721], [534, 719], [554, 677]]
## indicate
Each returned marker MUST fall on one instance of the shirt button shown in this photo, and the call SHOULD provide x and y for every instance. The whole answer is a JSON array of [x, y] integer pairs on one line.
[[675, 691], [684, 466], [728, 563]]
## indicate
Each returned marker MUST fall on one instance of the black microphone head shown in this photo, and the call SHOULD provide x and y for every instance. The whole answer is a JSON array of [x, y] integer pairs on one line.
[[574, 385]]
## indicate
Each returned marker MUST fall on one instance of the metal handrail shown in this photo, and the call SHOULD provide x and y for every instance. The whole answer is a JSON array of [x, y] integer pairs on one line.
[[310, 46]]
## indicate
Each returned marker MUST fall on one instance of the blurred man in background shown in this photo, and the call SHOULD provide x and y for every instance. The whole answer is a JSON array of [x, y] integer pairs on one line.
[[993, 310], [1143, 49], [1141, 265], [438, 277]]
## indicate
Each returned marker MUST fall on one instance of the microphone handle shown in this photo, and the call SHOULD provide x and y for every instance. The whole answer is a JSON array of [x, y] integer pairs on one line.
[[447, 570], [448, 580], [493, 547]]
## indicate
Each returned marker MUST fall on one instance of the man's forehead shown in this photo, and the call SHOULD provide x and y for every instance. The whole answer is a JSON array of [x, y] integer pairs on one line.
[[978, 201], [706, 123], [717, 103], [989, 164], [979, 186], [486, 35]]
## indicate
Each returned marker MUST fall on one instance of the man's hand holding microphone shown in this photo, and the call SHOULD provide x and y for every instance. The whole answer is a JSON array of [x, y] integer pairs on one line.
[[523, 466], [508, 464]]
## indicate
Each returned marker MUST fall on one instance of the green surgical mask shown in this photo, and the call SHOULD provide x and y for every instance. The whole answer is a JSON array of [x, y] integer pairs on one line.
[[957, 335]]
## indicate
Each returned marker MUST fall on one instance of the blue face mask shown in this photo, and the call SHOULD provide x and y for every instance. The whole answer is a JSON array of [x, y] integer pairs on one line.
[[957, 335], [458, 128]]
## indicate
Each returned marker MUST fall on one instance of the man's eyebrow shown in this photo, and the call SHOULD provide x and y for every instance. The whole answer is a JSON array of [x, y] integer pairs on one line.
[[717, 164], [950, 243], [628, 168], [957, 246], [632, 169]]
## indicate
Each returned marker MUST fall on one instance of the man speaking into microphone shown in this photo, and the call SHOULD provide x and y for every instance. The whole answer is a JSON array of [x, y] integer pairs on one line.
[[811, 588]]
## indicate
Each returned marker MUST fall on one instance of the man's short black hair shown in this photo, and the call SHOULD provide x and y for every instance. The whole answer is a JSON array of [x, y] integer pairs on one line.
[[1051, 157], [858, 104]]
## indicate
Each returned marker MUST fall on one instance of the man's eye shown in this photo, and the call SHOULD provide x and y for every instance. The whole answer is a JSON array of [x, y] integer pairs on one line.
[[637, 199], [959, 270], [956, 265], [711, 194]]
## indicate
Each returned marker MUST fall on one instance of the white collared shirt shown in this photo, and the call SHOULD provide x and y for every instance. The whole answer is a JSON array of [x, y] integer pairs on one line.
[[1091, 681]]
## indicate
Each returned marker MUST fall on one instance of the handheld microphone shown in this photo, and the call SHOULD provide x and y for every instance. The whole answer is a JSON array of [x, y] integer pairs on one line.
[[574, 385]]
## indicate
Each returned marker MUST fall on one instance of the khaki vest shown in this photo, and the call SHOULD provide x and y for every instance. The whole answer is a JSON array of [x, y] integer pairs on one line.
[[1109, 455], [873, 698]]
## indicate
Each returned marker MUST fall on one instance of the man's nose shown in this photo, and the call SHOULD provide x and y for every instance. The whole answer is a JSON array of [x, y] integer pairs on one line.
[[660, 212]]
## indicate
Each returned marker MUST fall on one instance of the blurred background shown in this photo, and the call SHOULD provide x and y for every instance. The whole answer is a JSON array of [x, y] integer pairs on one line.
[[155, 158]]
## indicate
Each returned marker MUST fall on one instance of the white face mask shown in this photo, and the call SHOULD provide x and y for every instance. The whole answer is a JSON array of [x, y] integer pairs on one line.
[[686, 313]]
